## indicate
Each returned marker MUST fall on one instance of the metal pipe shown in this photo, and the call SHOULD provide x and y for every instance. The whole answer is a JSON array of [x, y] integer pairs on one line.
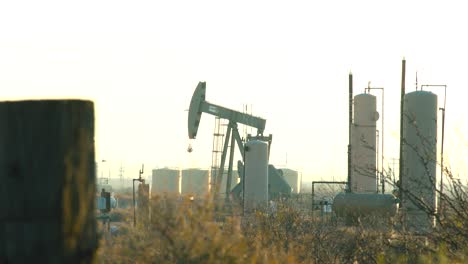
[[330, 182], [382, 178], [443, 135], [313, 192], [349, 130], [323, 182], [140, 180], [442, 161], [377, 134], [242, 181], [402, 103], [382, 134], [134, 209]]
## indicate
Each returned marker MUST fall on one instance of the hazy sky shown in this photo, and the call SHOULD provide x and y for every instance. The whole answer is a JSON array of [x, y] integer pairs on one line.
[[140, 61]]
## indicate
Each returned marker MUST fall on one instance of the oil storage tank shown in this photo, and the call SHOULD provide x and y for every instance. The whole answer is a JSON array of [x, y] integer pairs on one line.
[[293, 178], [363, 143], [419, 159], [256, 175], [165, 181], [195, 182]]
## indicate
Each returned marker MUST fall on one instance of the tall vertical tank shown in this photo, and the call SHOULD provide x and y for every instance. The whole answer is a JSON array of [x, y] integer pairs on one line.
[[363, 144], [419, 158], [195, 182], [165, 180], [256, 175]]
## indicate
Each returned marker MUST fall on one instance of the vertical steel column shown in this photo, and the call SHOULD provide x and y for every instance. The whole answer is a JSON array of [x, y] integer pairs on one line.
[[350, 122], [400, 176]]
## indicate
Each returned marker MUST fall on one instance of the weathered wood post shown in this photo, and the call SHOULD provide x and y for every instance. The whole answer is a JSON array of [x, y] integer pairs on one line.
[[47, 182]]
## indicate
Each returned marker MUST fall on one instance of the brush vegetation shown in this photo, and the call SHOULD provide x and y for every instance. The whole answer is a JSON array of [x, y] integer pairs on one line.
[[184, 231]]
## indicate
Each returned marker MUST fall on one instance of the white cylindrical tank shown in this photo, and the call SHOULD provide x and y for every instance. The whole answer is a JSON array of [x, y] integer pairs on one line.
[[256, 175], [419, 158], [363, 144], [292, 177], [165, 181], [195, 182]]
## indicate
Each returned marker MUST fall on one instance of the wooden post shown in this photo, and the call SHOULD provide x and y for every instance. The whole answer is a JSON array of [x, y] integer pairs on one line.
[[47, 182]]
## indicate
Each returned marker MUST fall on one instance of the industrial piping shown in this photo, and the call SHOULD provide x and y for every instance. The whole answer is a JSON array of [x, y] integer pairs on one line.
[[403, 76], [349, 129], [442, 144], [382, 179]]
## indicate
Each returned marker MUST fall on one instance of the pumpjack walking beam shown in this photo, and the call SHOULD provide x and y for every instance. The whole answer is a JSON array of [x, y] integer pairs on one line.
[[198, 105]]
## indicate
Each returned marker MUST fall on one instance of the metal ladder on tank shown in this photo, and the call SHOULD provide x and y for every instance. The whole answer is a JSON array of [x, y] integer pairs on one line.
[[218, 138]]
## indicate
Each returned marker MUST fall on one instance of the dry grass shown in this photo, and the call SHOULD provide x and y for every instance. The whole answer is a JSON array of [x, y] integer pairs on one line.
[[181, 231]]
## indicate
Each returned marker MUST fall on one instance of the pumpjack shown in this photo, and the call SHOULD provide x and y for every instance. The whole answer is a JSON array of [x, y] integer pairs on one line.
[[199, 105]]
